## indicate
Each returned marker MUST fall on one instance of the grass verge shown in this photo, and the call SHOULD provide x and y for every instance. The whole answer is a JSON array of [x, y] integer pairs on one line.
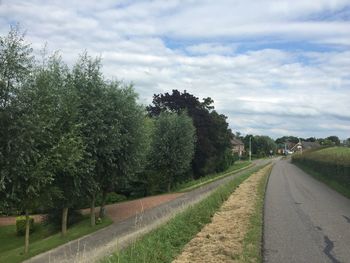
[[167, 241], [11, 245], [340, 188], [190, 185], [252, 243]]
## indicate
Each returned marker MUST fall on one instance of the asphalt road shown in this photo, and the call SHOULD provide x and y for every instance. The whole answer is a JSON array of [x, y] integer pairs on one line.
[[304, 220]]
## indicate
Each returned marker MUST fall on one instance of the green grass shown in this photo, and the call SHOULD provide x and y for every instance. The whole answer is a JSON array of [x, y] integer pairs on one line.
[[329, 165], [12, 246], [334, 184], [167, 241], [340, 155], [253, 239], [190, 185]]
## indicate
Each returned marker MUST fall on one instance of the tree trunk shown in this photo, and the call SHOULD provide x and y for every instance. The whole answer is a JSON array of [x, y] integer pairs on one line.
[[92, 210], [102, 207], [64, 221], [26, 239], [169, 185]]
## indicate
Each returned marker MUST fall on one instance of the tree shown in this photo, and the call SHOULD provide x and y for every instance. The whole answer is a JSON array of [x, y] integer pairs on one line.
[[310, 139], [16, 63], [25, 127], [261, 145], [172, 146], [121, 149], [208, 127], [67, 148], [334, 139], [111, 127], [89, 85], [285, 139]]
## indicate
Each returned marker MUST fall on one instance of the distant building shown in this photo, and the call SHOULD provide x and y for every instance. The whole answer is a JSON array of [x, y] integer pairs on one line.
[[303, 146], [285, 148], [237, 146]]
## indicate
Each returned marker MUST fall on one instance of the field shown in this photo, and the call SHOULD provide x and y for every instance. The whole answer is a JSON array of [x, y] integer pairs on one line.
[[330, 165]]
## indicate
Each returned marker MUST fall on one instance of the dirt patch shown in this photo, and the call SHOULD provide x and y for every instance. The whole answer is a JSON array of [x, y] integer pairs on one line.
[[222, 239], [121, 211]]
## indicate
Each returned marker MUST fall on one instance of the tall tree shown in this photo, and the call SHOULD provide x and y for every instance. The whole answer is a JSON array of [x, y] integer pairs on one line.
[[16, 63], [172, 146], [89, 85], [206, 124], [121, 148], [25, 127], [67, 149]]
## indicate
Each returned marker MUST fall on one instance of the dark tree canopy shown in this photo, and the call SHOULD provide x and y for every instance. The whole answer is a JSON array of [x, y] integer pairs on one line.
[[284, 139], [213, 135]]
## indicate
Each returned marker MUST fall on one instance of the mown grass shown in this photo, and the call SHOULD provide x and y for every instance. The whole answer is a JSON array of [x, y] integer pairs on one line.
[[41, 240], [167, 241], [252, 243], [329, 165], [190, 185]]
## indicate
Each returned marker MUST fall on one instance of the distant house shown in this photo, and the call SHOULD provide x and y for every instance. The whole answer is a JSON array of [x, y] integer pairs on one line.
[[285, 148], [303, 146], [237, 146]]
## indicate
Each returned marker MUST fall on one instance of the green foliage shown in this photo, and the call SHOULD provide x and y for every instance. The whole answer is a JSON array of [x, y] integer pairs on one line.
[[212, 133], [21, 225], [195, 183], [172, 146], [285, 139], [331, 163], [261, 145], [53, 218], [111, 198], [252, 250]]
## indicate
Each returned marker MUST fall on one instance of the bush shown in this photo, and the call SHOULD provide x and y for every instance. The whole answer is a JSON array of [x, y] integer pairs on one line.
[[21, 225], [54, 218], [111, 198]]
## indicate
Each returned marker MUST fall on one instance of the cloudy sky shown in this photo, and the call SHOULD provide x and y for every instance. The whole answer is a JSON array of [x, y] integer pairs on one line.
[[273, 67]]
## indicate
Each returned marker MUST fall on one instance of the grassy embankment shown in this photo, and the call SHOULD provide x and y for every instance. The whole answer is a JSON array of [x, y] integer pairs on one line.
[[190, 185], [329, 165], [167, 241], [252, 244], [41, 240]]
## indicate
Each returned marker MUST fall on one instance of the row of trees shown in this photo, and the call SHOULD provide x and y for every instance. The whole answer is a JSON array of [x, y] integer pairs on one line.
[[328, 141], [68, 135], [261, 145]]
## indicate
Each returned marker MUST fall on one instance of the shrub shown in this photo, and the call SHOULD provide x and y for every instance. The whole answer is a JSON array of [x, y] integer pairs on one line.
[[332, 163], [21, 225], [54, 218], [113, 197]]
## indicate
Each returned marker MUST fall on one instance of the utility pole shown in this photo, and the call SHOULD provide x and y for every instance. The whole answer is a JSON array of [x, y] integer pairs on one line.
[[250, 148]]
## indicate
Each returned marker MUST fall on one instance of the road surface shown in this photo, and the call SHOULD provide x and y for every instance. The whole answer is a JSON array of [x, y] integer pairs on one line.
[[304, 220]]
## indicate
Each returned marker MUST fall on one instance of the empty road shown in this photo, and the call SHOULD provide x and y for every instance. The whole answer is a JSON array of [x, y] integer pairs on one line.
[[304, 220]]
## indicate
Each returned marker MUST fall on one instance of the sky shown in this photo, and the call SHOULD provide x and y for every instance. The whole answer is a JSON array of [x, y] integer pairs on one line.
[[273, 67]]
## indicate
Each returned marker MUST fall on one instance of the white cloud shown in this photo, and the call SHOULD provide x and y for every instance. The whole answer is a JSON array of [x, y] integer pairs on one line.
[[222, 49]]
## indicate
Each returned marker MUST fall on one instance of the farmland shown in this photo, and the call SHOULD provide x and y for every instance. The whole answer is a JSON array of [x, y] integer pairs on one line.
[[329, 165]]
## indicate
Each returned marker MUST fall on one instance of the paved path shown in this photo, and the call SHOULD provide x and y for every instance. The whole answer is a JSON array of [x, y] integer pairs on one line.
[[117, 212], [93, 247], [304, 220]]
